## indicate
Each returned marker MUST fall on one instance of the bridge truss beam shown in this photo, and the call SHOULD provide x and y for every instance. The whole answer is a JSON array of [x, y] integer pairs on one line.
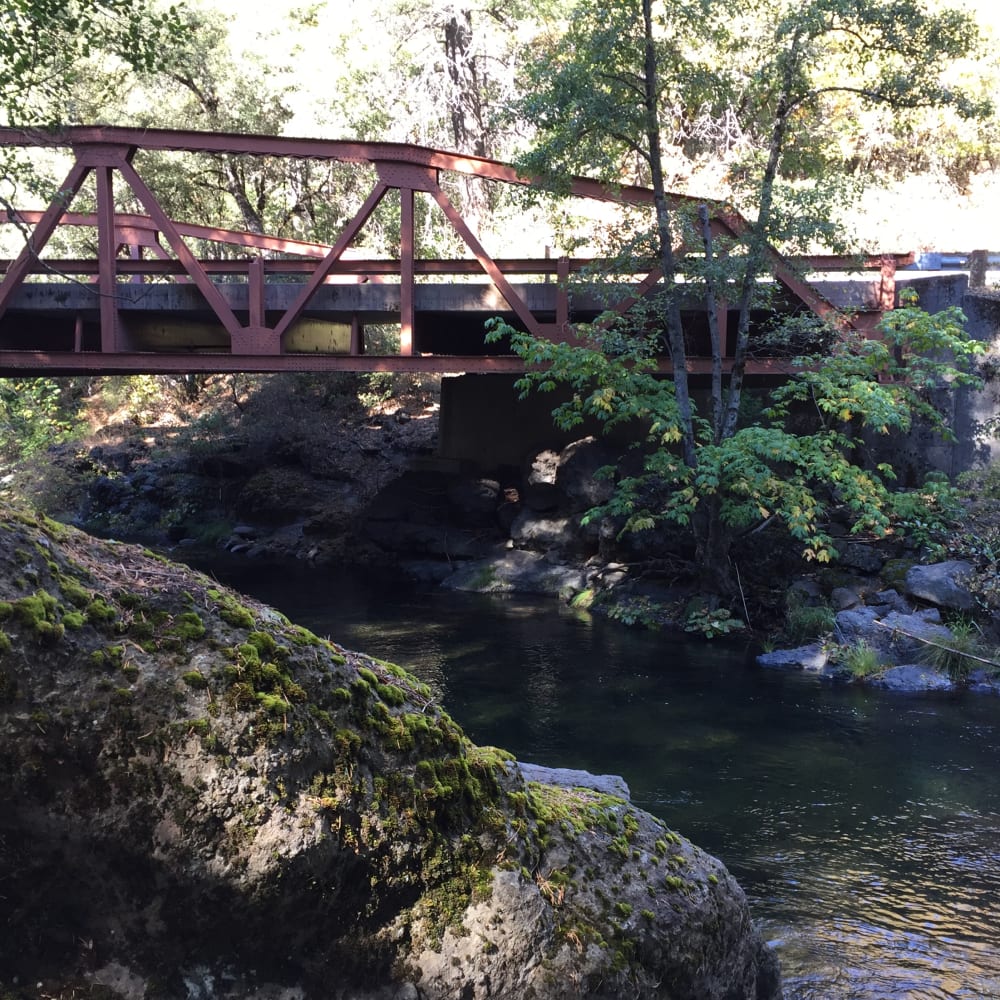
[[258, 336]]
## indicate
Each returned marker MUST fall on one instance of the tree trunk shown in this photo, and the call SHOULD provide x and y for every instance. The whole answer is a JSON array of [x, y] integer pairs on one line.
[[714, 543], [675, 329], [759, 235]]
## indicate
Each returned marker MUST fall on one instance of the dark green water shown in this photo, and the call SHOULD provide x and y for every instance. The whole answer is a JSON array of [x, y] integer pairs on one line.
[[864, 827]]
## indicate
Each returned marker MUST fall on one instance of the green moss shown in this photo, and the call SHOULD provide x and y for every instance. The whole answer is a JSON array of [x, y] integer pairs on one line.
[[195, 679], [74, 592], [131, 601], [231, 611], [347, 742], [109, 658], [6, 610], [302, 636], [4, 643], [189, 626], [248, 655], [623, 910], [391, 694], [99, 612], [341, 696], [74, 619], [266, 645], [273, 704]]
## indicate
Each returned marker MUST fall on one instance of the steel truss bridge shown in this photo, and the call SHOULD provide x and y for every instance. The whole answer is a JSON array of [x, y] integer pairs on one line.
[[146, 302]]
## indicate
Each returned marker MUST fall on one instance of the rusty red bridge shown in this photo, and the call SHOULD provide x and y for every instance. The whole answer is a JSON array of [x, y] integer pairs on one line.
[[145, 301]]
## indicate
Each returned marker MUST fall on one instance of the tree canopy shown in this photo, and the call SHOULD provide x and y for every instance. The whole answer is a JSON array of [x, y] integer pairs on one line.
[[627, 88], [46, 45]]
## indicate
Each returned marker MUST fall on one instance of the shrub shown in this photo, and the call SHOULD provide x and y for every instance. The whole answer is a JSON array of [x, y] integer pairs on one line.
[[860, 658], [954, 656], [805, 622]]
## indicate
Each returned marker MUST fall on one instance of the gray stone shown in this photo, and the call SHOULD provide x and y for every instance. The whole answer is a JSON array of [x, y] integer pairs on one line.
[[805, 591], [941, 584], [865, 558], [517, 571], [984, 682], [567, 777], [542, 467], [577, 475], [843, 598], [905, 632], [240, 830], [858, 623], [893, 600], [533, 530], [911, 677], [813, 658], [542, 497]]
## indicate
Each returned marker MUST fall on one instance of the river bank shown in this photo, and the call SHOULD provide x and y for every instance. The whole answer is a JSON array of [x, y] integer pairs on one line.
[[862, 823], [301, 472]]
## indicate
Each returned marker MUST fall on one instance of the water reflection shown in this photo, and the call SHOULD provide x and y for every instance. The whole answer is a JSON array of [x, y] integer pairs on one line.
[[865, 827]]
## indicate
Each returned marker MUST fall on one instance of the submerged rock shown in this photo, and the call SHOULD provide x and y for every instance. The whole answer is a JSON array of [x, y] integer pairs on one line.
[[913, 678], [200, 799]]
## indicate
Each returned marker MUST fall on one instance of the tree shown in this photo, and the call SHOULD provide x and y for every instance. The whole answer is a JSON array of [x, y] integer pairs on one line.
[[631, 82], [46, 45]]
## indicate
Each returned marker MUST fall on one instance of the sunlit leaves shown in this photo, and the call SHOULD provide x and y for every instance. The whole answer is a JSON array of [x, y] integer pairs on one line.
[[44, 45]]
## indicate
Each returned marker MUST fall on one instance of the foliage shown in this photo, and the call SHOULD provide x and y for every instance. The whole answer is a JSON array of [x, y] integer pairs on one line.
[[639, 610], [860, 658], [649, 83], [46, 45], [927, 517], [712, 622], [768, 469], [34, 414], [804, 622], [954, 656]]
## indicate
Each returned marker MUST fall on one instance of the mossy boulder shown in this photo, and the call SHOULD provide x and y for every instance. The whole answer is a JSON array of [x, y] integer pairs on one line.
[[195, 791]]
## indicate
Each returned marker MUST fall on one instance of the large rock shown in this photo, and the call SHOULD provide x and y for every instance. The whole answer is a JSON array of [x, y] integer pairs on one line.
[[532, 530], [517, 571], [942, 584], [913, 678], [200, 799], [899, 637], [813, 658], [577, 474]]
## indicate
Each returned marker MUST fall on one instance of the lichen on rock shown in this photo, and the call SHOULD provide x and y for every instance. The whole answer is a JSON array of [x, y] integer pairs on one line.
[[193, 789]]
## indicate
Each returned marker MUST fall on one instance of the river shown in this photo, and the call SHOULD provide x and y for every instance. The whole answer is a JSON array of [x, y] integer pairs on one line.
[[864, 826]]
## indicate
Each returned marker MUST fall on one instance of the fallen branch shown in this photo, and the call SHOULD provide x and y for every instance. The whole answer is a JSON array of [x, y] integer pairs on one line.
[[938, 645]]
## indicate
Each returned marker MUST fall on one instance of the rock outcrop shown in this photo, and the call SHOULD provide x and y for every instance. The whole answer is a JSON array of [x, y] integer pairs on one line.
[[200, 799]]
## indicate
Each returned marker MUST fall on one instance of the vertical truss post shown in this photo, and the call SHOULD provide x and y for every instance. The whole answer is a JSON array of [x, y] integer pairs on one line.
[[887, 284], [106, 250], [255, 283], [406, 271]]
